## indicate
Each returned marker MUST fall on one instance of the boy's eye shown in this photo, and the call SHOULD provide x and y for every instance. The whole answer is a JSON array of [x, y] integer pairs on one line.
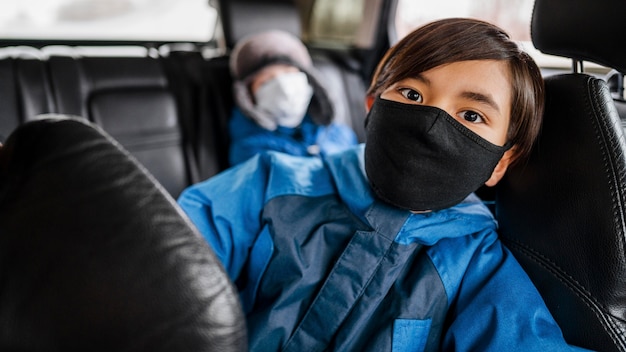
[[411, 94], [471, 116]]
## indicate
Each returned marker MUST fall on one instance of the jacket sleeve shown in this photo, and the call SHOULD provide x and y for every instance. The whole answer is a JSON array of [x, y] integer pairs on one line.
[[499, 309], [226, 209]]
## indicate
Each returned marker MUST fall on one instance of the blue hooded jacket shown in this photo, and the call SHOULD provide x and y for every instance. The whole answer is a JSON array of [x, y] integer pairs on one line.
[[322, 265], [308, 139]]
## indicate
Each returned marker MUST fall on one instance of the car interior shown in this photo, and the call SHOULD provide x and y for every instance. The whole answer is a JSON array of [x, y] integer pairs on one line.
[[171, 112], [123, 135]]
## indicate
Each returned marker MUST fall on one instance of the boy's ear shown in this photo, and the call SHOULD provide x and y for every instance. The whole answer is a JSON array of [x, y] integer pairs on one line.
[[369, 101], [501, 167]]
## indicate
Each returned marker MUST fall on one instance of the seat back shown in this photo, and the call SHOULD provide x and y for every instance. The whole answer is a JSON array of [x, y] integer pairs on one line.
[[24, 92], [154, 106], [563, 212], [129, 97], [96, 256]]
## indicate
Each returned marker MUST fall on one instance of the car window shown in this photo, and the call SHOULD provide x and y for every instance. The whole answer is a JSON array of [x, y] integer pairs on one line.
[[110, 20], [341, 24], [335, 21], [513, 16]]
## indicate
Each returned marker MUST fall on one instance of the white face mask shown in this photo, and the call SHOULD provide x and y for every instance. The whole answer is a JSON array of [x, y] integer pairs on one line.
[[285, 98]]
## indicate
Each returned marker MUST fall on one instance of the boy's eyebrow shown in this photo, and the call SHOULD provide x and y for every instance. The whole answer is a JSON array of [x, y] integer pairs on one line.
[[423, 79], [481, 98]]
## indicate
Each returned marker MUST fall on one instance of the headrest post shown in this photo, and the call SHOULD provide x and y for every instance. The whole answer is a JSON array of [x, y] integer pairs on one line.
[[577, 66], [620, 86]]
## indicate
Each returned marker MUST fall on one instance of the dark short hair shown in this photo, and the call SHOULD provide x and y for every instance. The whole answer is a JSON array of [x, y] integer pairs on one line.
[[462, 39]]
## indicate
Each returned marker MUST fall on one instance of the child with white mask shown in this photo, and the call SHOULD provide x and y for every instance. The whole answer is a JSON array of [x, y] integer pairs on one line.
[[280, 103], [284, 98]]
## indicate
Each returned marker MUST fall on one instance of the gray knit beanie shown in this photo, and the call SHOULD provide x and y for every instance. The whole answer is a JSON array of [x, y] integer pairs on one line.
[[257, 51]]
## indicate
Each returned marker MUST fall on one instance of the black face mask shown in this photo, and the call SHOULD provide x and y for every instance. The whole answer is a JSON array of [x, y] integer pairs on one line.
[[419, 157]]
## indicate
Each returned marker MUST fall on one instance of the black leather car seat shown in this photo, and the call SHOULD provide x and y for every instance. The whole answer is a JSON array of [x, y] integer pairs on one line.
[[96, 256], [563, 213], [135, 98], [131, 99]]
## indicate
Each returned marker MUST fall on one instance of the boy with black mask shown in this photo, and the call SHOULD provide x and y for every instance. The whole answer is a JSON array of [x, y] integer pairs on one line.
[[385, 247]]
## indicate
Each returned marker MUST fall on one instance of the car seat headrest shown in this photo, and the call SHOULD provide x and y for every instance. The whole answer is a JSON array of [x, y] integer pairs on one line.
[[243, 17], [96, 256], [583, 30]]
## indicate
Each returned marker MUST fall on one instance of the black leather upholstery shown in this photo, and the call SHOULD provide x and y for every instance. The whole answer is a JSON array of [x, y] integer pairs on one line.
[[130, 99], [563, 212], [95, 256], [156, 107], [25, 92]]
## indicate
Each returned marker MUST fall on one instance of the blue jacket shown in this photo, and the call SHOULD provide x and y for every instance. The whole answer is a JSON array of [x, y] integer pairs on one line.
[[249, 139], [321, 265]]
